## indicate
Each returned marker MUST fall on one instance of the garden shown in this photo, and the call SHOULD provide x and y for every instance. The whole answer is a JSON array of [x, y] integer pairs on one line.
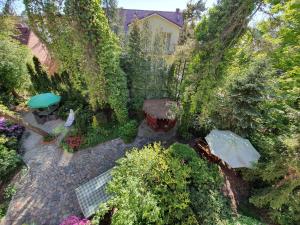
[[235, 69]]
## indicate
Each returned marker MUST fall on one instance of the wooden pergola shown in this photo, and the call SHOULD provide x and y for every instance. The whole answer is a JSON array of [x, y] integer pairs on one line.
[[160, 114]]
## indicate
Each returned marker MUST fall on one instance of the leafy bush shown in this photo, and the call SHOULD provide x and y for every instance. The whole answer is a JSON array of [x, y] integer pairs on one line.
[[128, 131], [9, 161], [93, 136], [209, 205], [83, 120], [243, 220], [49, 137], [9, 136], [66, 147], [166, 186], [14, 56], [97, 135], [9, 192], [149, 187]]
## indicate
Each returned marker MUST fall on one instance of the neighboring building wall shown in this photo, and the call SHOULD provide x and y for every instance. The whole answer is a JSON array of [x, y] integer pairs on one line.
[[170, 23], [38, 49]]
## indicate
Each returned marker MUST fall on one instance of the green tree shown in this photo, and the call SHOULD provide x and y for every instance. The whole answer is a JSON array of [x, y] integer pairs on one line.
[[14, 56], [278, 133], [238, 108], [134, 65], [257, 96], [153, 188], [216, 33], [111, 10], [115, 18], [143, 59], [167, 186]]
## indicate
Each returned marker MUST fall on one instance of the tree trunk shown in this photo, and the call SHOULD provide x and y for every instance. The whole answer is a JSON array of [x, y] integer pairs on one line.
[[21, 122], [15, 94]]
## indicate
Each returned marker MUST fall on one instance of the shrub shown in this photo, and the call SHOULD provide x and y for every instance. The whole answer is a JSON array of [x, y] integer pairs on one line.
[[9, 161], [167, 186], [49, 137], [243, 220], [128, 131], [97, 135], [209, 205], [9, 136], [9, 192], [83, 119], [149, 187]]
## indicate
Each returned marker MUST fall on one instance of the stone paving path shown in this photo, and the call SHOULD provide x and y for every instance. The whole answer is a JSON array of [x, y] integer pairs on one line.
[[46, 194]]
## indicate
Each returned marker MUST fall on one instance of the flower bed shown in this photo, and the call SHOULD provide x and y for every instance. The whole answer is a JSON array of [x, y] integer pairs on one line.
[[10, 130], [74, 220]]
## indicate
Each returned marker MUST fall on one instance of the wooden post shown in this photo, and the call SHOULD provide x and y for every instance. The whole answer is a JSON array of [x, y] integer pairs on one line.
[[20, 121]]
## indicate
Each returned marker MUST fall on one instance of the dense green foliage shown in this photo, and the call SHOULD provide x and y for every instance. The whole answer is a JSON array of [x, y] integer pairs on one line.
[[166, 186], [14, 56], [42, 82], [248, 82], [14, 82], [9, 159], [209, 206], [143, 60], [86, 48], [278, 134], [128, 131], [226, 74], [9, 192], [216, 33]]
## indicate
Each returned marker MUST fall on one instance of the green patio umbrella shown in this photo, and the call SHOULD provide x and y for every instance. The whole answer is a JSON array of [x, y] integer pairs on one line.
[[43, 100]]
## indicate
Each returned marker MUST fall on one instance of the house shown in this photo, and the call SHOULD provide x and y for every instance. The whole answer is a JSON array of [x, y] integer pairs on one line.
[[159, 21], [38, 49]]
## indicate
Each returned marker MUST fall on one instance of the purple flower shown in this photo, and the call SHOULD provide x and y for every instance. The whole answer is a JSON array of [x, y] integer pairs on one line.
[[10, 130]]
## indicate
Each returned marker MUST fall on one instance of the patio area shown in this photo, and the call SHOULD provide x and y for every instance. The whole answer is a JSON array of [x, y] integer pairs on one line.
[[46, 194]]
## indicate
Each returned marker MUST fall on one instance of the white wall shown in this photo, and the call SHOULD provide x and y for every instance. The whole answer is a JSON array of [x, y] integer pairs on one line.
[[158, 24]]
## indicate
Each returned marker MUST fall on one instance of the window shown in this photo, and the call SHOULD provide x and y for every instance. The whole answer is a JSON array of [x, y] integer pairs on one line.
[[168, 42]]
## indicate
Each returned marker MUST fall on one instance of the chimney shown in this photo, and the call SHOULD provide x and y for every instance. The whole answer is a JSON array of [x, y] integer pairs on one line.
[[177, 13]]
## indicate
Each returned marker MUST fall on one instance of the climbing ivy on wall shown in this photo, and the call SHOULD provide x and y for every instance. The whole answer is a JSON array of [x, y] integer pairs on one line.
[[78, 35], [103, 45]]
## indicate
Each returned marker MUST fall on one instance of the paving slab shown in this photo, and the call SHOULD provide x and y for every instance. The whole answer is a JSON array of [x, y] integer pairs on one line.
[[46, 194]]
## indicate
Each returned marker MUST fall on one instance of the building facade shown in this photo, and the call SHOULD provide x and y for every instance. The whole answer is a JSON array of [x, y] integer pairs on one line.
[[168, 23]]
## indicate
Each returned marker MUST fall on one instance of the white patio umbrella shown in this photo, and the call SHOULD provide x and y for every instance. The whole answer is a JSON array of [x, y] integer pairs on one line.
[[234, 150]]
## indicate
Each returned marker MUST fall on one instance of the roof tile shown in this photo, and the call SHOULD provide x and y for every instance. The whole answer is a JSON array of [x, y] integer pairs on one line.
[[131, 14]]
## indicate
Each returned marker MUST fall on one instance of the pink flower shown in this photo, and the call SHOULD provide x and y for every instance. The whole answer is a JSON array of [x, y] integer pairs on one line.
[[74, 220]]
